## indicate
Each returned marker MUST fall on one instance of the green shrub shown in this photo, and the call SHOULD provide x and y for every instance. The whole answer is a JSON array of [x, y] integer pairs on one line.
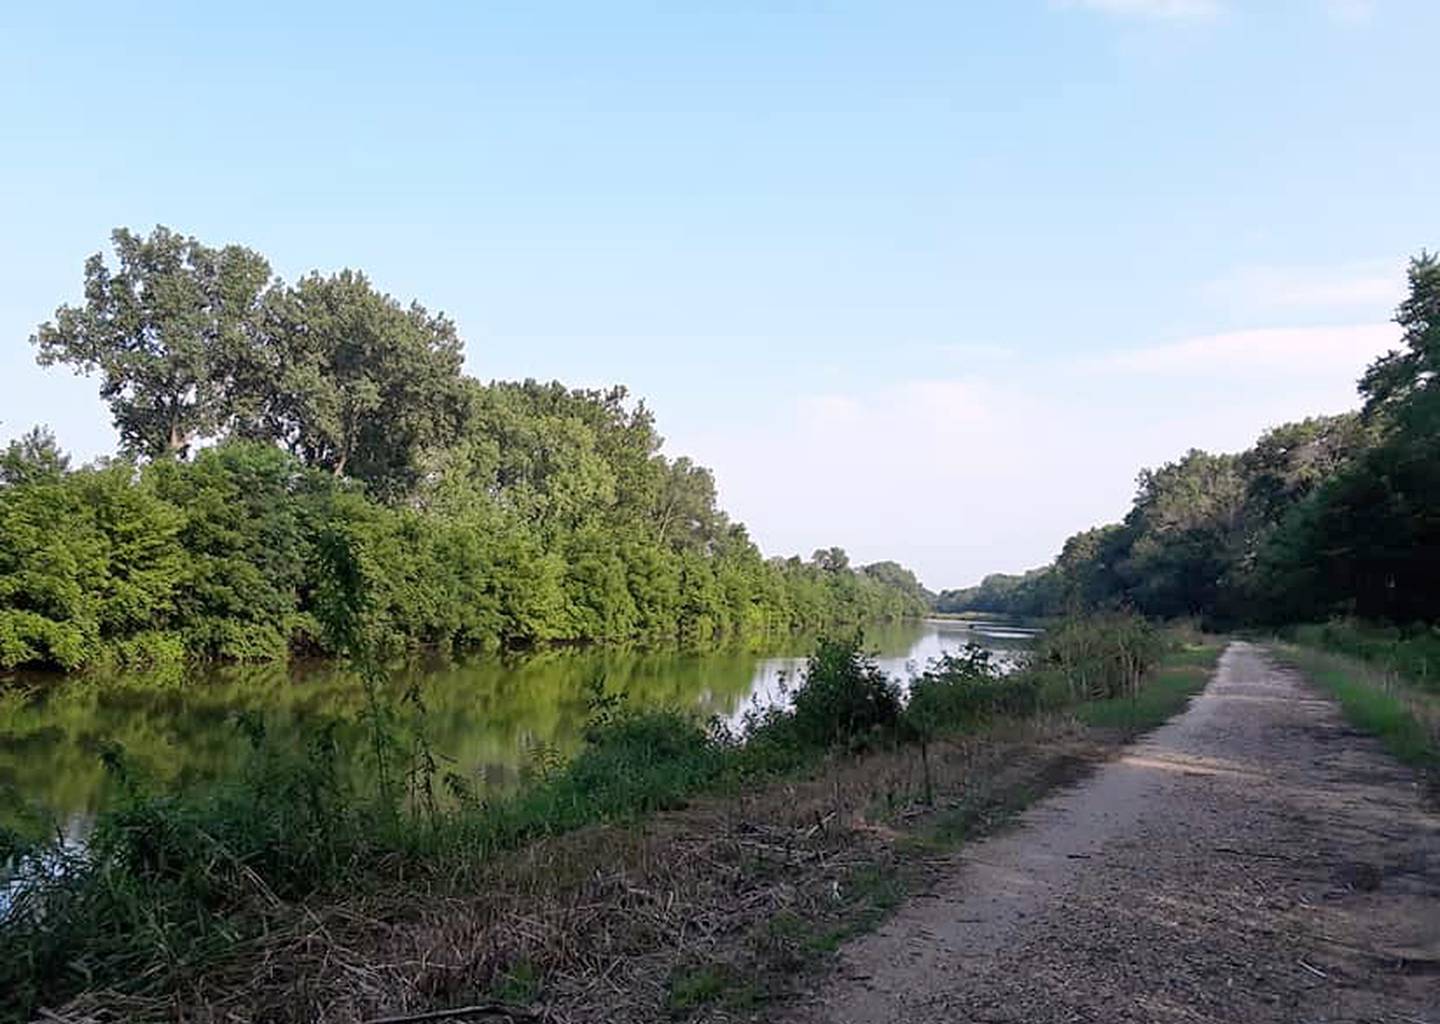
[[1412, 652], [844, 697], [1100, 656], [961, 690]]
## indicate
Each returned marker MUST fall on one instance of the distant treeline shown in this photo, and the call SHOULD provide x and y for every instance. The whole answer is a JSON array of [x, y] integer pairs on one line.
[[261, 421], [1332, 516]]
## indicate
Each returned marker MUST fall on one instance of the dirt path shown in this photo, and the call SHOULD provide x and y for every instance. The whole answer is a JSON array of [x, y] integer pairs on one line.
[[1253, 860]]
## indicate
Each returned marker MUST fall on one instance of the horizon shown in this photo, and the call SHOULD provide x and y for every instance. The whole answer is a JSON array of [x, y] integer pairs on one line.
[[824, 281]]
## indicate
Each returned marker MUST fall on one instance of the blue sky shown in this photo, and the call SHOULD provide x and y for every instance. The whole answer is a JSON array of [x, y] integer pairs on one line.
[[928, 280]]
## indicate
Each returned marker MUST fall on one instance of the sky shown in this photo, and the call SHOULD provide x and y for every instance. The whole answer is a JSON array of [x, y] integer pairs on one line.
[[929, 281]]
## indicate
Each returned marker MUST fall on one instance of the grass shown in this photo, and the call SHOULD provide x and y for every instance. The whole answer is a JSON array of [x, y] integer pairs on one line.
[[867, 896], [1405, 718], [1411, 652], [519, 985], [693, 989], [1182, 674]]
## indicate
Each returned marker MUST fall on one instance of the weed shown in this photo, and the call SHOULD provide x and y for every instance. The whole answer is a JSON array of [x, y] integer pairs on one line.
[[519, 985]]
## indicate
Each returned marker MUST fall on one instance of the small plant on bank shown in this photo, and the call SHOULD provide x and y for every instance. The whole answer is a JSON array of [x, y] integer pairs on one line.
[[845, 699]]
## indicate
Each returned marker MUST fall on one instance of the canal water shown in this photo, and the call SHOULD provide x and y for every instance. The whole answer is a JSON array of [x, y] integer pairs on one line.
[[487, 716]]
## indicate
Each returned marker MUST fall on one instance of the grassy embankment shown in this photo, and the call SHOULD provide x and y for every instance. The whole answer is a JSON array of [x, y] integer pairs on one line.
[[297, 893], [1387, 682]]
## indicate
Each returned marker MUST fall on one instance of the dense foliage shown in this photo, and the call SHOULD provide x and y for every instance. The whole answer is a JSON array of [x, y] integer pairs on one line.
[[258, 418], [1332, 516]]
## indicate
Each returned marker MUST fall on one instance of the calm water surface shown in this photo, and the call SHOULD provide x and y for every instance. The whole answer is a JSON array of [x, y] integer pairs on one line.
[[487, 715]]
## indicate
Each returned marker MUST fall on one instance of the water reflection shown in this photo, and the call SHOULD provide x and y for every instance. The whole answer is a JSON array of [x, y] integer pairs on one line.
[[484, 713]]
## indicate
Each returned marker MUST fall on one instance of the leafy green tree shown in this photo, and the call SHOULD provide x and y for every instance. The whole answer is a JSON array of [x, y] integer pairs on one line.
[[1087, 570], [1186, 528], [50, 556], [1002, 594], [1287, 463], [597, 593], [685, 514], [87, 560], [166, 329], [32, 458], [144, 564], [351, 382], [490, 514], [894, 575], [246, 545], [1402, 387], [1366, 541], [653, 574], [534, 451]]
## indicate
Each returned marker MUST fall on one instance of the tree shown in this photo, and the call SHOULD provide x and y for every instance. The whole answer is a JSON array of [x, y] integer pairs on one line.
[[492, 514], [33, 458], [352, 382], [246, 547], [1186, 528], [50, 558], [87, 559], [165, 330], [685, 512], [1087, 569], [1403, 386], [1290, 461], [893, 574], [1367, 542]]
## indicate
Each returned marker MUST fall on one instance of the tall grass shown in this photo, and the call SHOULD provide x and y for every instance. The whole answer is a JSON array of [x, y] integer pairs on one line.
[[1411, 652], [1181, 673], [1099, 657]]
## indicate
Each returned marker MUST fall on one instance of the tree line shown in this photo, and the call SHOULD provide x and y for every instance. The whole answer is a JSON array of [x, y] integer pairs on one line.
[[1331, 516], [260, 421]]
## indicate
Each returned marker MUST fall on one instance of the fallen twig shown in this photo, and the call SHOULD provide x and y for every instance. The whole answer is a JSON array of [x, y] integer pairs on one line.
[[477, 1010], [1251, 853]]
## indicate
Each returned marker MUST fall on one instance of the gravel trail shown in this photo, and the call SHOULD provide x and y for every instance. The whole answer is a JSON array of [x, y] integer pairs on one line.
[[1253, 860]]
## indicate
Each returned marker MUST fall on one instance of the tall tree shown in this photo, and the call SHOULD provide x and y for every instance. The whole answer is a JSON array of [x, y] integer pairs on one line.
[[1404, 385], [1369, 540], [165, 329], [351, 381], [685, 513], [1186, 527], [1290, 461]]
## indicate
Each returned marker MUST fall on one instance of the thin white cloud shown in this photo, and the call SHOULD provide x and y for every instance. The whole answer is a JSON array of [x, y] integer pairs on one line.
[[1163, 10], [1372, 288], [960, 475], [1294, 351]]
